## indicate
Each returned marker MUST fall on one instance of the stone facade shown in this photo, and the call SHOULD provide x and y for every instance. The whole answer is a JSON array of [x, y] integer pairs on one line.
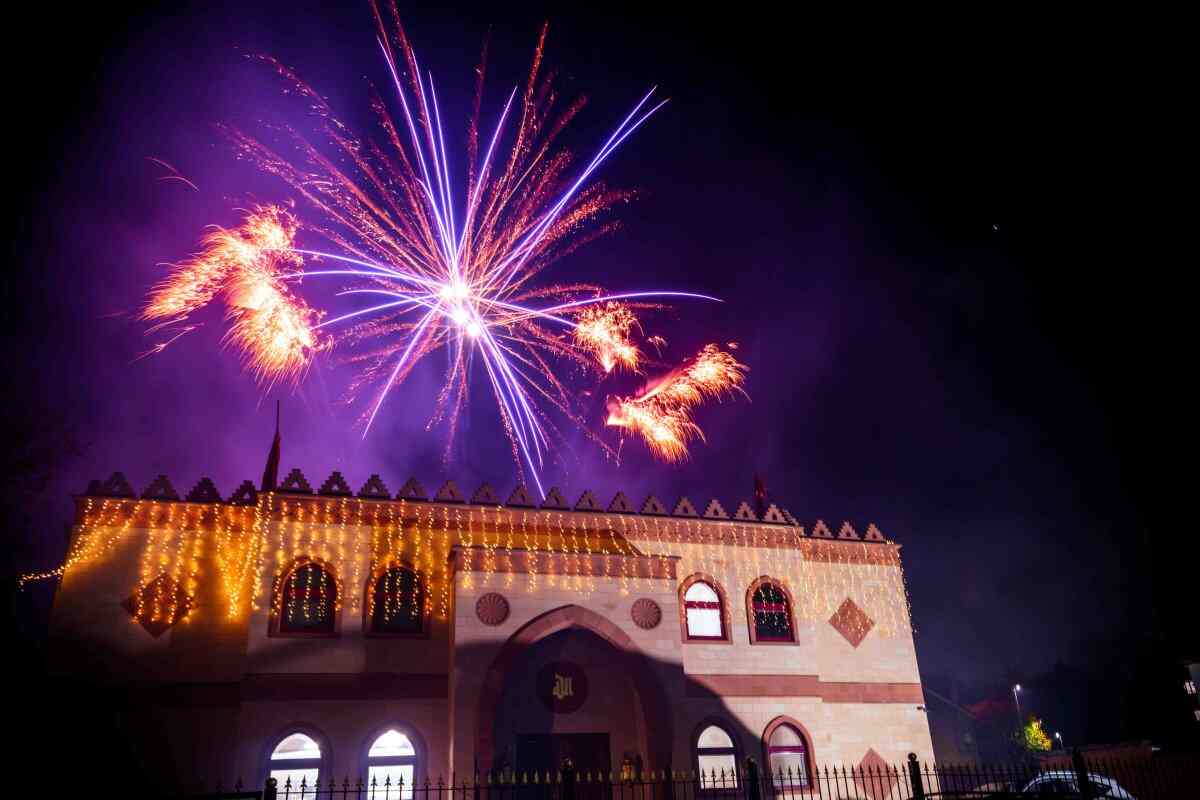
[[508, 591]]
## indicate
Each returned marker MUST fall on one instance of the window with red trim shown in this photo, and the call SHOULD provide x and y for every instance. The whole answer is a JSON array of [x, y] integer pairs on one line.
[[308, 601], [703, 612], [787, 757], [772, 614]]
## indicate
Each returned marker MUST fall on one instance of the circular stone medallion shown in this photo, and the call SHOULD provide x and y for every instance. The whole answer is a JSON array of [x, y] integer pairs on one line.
[[646, 613], [491, 608]]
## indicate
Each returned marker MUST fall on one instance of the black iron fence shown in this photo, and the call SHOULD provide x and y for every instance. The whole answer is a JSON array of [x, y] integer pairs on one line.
[[1159, 778]]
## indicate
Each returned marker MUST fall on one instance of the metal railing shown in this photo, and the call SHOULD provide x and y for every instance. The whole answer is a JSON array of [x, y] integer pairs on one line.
[[1159, 778]]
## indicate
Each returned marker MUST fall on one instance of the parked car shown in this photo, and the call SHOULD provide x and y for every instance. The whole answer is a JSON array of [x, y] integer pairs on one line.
[[1063, 782]]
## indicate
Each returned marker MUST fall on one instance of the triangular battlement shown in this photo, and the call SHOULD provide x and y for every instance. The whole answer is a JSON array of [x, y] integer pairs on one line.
[[374, 489]]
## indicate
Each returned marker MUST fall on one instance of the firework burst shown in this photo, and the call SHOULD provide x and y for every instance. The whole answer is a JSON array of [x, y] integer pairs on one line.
[[662, 414], [443, 271]]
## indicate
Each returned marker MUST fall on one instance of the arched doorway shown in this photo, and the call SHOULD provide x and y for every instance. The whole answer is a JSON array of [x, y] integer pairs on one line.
[[571, 682]]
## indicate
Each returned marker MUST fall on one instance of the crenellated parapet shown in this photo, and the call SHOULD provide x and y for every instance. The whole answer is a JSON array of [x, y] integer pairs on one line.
[[776, 527]]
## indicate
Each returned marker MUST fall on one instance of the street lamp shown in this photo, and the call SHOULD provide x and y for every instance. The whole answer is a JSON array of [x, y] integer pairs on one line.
[[1017, 699]]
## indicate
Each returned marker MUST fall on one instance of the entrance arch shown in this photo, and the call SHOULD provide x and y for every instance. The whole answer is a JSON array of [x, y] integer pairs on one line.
[[651, 701]]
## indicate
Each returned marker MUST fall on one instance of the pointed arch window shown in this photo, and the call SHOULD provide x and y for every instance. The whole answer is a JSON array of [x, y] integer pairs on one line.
[[787, 757], [391, 765], [769, 605], [702, 610], [307, 600], [396, 603], [295, 763], [703, 606], [716, 758]]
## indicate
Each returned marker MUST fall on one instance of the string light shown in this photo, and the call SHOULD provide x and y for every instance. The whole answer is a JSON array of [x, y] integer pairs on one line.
[[554, 548]]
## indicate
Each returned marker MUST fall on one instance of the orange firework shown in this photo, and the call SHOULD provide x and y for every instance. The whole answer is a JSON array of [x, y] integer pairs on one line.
[[247, 266], [662, 415], [604, 330]]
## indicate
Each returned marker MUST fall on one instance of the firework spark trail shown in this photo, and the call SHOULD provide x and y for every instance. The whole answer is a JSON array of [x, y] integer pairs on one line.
[[662, 415], [604, 330], [463, 273], [274, 329]]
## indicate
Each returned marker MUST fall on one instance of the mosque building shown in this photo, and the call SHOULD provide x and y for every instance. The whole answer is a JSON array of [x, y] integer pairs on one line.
[[315, 634]]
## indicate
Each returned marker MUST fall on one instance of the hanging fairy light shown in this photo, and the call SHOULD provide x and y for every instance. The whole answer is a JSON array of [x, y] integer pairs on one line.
[[247, 549]]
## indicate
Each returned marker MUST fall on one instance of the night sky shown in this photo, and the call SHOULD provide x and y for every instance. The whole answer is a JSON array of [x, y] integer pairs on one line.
[[936, 253]]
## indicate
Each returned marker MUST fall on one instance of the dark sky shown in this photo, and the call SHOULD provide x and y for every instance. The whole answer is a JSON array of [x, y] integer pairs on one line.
[[936, 241]]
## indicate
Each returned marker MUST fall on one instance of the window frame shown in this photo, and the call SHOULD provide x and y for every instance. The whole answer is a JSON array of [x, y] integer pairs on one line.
[[377, 572], [305, 729], [735, 751], [791, 612], [417, 759], [767, 749], [723, 610], [275, 626]]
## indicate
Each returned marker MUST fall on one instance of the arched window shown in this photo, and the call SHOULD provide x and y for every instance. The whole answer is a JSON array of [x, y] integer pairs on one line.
[[307, 600], [295, 762], [396, 602], [770, 609], [391, 765], [787, 757], [716, 758], [704, 613]]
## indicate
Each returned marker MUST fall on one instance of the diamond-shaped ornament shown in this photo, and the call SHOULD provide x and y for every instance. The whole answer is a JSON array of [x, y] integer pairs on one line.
[[163, 603], [851, 622], [875, 779]]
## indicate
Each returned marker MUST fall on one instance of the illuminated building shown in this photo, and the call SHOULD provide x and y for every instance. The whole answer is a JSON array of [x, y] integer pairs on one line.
[[345, 633]]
